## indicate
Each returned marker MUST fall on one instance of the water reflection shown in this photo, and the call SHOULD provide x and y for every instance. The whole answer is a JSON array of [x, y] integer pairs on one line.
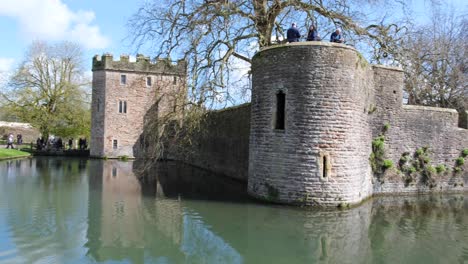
[[78, 211]]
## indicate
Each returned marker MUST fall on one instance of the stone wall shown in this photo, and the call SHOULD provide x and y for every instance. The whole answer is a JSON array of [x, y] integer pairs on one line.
[[223, 144], [29, 133], [137, 97]]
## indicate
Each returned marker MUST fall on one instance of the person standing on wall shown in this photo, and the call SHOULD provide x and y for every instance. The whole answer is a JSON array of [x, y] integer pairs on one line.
[[337, 37], [312, 35], [293, 34]]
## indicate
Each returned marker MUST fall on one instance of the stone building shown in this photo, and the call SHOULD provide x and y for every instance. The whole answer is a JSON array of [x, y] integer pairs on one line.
[[123, 93]]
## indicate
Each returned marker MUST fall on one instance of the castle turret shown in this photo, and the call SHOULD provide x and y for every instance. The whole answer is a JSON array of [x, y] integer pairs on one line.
[[123, 93], [310, 136]]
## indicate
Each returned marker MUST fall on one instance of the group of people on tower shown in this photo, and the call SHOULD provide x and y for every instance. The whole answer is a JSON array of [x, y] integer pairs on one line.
[[293, 35]]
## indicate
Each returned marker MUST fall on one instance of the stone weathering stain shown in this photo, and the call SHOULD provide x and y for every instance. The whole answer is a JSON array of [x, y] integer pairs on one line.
[[123, 92], [306, 138]]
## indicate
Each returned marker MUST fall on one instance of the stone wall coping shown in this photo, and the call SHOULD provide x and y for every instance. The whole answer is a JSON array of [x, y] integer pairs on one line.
[[392, 68], [309, 43], [429, 108], [15, 124], [230, 108]]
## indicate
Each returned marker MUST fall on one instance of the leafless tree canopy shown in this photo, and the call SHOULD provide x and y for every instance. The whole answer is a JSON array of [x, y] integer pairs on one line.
[[435, 59], [215, 36]]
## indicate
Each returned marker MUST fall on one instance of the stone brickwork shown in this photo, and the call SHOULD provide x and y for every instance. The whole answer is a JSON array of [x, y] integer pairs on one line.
[[119, 107], [223, 144], [335, 104]]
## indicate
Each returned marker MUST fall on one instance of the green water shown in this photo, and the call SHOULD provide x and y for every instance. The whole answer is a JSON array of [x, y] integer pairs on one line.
[[56, 210]]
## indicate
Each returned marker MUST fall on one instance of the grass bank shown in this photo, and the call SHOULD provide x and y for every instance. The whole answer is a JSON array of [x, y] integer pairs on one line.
[[12, 153]]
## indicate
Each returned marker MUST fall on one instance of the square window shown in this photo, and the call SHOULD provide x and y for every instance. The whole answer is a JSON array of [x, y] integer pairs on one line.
[[123, 79], [115, 144], [148, 81]]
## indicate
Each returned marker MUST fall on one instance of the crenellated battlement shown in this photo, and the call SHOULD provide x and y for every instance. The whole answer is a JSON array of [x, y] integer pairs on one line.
[[142, 64]]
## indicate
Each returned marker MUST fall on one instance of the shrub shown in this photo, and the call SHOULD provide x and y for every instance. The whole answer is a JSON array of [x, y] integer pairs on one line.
[[440, 168], [387, 164], [465, 153], [460, 161], [386, 127]]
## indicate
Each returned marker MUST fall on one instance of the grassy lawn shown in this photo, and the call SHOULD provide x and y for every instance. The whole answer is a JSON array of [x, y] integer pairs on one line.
[[12, 153]]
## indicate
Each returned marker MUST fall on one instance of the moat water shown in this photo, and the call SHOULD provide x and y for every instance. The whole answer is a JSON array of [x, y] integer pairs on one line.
[[56, 210]]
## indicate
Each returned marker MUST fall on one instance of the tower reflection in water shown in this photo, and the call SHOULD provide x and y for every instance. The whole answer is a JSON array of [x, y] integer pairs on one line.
[[144, 216]]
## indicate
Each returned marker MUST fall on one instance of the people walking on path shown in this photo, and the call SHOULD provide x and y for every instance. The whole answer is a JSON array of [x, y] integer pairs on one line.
[[10, 140]]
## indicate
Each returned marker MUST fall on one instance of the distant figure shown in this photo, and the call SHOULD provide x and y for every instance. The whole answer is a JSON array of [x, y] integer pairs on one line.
[[19, 139], [70, 143], [336, 36], [59, 144], [313, 35], [38, 144], [10, 140], [85, 143], [293, 33]]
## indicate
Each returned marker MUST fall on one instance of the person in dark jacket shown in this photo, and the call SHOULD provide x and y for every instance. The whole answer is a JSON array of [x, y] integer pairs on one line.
[[293, 33], [337, 37], [313, 35]]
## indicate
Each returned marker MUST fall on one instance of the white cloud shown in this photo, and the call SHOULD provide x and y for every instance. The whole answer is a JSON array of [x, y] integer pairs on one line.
[[53, 20], [6, 65]]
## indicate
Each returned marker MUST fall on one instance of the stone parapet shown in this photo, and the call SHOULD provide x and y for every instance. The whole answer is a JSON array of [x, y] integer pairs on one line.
[[142, 64]]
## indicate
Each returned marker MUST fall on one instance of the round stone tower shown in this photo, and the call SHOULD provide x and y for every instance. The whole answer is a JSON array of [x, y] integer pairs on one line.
[[310, 137]]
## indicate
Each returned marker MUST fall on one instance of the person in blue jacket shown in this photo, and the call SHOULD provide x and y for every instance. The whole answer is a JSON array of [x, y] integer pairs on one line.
[[336, 36], [313, 35], [293, 33]]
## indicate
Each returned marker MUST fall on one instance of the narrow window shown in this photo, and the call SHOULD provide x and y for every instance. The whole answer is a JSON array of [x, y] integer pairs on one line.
[[114, 172], [98, 104], [324, 167], [114, 144], [125, 107], [280, 105], [120, 107], [123, 79], [148, 81], [175, 80]]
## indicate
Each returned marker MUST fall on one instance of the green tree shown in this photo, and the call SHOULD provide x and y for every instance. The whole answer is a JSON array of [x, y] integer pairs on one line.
[[49, 90]]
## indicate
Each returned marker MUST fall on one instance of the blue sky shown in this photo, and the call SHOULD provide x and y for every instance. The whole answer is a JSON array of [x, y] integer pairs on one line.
[[99, 25]]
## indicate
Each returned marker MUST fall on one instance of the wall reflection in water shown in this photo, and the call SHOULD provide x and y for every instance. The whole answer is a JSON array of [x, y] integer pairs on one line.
[[80, 211]]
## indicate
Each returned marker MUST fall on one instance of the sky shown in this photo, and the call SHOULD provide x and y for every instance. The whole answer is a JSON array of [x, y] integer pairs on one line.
[[98, 25]]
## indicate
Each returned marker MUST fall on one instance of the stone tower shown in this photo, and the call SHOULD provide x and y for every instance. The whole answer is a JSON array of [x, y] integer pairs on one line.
[[310, 136], [122, 94]]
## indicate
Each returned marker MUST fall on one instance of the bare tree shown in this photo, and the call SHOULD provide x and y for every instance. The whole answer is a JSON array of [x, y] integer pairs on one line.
[[435, 59], [47, 90], [215, 36]]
